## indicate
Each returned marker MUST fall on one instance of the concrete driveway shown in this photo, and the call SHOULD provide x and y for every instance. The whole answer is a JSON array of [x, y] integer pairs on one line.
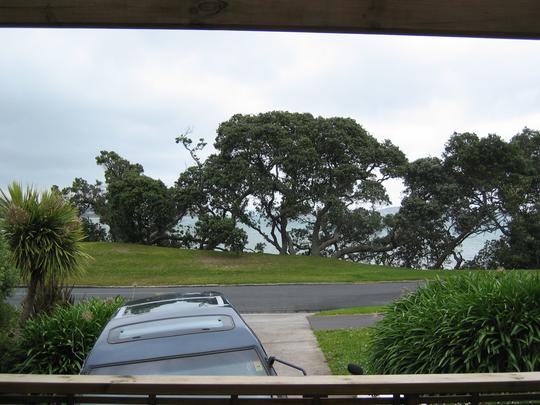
[[288, 336]]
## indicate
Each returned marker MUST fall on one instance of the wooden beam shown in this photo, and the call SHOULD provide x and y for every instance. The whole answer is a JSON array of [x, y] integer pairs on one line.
[[312, 385], [477, 18]]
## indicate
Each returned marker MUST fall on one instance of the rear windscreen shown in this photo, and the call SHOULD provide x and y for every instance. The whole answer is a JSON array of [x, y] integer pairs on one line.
[[241, 362], [169, 304]]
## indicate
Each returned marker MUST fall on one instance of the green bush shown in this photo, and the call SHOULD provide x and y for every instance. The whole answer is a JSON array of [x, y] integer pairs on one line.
[[9, 318], [475, 322], [8, 314], [58, 343], [8, 274]]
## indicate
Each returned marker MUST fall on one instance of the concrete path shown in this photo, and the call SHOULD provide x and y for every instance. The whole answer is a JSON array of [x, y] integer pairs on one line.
[[289, 337], [343, 321]]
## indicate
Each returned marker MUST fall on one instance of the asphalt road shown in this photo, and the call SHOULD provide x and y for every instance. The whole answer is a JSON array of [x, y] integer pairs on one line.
[[269, 298]]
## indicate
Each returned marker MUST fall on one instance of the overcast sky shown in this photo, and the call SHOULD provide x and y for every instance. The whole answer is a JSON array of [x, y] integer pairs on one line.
[[67, 94]]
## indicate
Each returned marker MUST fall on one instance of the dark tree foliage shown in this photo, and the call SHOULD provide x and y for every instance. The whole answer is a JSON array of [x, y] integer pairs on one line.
[[116, 167], [297, 169], [519, 247], [139, 209], [357, 234], [212, 232], [208, 189], [9, 276], [89, 199], [448, 200], [135, 207], [210, 194], [94, 231]]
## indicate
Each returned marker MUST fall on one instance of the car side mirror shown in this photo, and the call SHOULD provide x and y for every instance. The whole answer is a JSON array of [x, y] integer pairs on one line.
[[272, 360]]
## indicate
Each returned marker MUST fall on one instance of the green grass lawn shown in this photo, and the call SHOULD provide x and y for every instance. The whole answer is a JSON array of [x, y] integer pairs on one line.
[[352, 311], [131, 264], [344, 346]]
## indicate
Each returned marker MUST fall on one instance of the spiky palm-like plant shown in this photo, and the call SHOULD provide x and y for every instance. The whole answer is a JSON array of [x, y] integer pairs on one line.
[[44, 235]]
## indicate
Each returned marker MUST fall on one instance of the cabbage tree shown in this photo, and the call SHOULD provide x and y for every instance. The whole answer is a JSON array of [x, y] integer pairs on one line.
[[44, 234]]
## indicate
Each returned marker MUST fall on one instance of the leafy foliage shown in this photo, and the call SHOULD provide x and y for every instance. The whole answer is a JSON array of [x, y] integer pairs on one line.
[[309, 185], [136, 207], [88, 199], [214, 231], [8, 273], [139, 209], [519, 247], [84, 196], [292, 167], [476, 187], [58, 343], [8, 314], [9, 318], [44, 234], [477, 322], [94, 231]]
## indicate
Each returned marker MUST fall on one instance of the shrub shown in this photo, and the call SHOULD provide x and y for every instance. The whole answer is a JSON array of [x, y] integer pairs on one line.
[[475, 322], [58, 343], [8, 274], [9, 318], [8, 314]]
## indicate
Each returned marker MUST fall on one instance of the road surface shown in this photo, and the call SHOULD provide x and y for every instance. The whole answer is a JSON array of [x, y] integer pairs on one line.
[[268, 298]]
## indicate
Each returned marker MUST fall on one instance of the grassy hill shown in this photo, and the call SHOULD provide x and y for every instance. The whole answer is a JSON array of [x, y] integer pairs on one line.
[[130, 264]]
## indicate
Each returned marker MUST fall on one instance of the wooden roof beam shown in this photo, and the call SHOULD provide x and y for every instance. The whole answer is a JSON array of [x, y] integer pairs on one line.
[[476, 18]]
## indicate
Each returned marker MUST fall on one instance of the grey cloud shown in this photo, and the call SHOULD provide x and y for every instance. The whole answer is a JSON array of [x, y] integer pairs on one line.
[[67, 94]]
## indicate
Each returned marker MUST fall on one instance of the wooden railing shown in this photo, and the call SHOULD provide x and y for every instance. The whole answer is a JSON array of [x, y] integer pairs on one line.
[[505, 388]]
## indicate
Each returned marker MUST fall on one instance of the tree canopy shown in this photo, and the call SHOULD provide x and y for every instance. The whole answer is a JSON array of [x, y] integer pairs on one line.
[[519, 202], [479, 185], [136, 207], [312, 185], [274, 171]]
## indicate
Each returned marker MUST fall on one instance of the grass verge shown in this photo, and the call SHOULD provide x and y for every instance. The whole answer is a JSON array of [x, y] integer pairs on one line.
[[131, 264], [344, 346], [353, 311]]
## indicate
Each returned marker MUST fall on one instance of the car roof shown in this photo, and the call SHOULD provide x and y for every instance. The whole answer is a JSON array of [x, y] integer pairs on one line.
[[180, 296], [169, 326]]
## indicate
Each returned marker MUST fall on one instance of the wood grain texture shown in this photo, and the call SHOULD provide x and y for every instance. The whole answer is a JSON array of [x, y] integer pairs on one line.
[[480, 18], [312, 385]]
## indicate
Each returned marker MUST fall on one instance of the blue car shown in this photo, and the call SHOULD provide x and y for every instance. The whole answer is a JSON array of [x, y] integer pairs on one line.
[[179, 334]]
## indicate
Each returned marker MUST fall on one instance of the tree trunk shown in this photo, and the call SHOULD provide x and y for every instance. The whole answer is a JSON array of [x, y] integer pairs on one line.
[[284, 248], [315, 239], [28, 310], [450, 249], [315, 249]]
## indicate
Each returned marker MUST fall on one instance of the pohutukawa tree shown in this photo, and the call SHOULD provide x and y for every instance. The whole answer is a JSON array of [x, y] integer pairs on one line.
[[479, 185], [44, 234], [299, 171]]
